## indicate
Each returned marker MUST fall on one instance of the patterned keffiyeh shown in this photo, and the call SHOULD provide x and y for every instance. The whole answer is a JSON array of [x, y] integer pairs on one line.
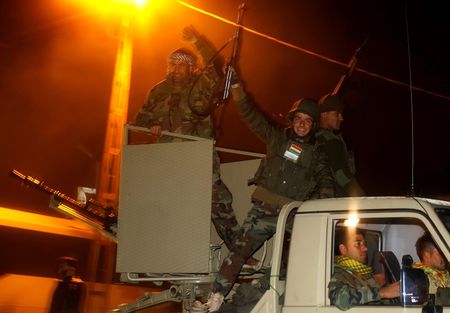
[[440, 278], [363, 270]]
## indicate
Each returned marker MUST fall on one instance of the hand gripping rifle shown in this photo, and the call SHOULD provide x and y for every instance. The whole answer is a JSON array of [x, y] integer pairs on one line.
[[232, 62], [93, 212]]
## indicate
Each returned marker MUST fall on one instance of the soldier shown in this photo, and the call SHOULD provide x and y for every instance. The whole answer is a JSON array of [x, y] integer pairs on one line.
[[294, 169], [182, 103], [352, 281], [70, 292], [432, 263], [341, 162]]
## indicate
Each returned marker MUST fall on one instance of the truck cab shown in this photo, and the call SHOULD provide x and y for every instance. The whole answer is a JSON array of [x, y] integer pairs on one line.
[[391, 224]]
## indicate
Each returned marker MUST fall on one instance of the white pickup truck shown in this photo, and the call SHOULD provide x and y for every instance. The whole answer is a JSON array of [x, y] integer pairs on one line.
[[165, 234], [392, 223]]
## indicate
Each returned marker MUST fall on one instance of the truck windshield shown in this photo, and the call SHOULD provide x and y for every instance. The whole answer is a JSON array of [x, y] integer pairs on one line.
[[444, 215]]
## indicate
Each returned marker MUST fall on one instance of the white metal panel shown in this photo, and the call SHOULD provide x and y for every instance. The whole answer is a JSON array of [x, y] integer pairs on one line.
[[395, 236], [307, 259], [236, 175], [165, 208]]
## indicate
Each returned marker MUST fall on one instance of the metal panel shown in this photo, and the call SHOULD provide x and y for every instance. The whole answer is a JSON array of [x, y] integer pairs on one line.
[[165, 208], [236, 175]]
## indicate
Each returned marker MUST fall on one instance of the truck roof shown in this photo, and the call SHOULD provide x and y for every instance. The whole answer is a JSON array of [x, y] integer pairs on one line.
[[372, 203]]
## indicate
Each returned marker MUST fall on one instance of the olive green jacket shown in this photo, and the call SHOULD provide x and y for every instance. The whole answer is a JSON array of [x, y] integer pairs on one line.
[[305, 176], [341, 162], [184, 110]]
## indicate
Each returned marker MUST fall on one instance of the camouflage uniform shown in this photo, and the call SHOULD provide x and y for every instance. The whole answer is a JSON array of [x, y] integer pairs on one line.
[[341, 162], [186, 110], [279, 180], [346, 289], [183, 110]]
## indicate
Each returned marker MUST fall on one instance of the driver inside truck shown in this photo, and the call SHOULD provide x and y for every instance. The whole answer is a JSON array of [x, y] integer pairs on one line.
[[432, 262], [352, 282]]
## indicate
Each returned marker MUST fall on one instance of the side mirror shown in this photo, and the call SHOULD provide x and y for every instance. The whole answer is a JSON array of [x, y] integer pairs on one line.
[[407, 260], [413, 287]]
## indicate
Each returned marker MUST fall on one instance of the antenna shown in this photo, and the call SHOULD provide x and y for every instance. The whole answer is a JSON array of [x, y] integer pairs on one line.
[[411, 190]]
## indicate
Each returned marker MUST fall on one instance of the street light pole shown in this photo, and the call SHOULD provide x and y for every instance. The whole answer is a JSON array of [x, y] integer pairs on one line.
[[108, 188]]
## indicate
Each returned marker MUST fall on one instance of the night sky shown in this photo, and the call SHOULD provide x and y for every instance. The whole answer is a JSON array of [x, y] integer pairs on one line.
[[57, 61]]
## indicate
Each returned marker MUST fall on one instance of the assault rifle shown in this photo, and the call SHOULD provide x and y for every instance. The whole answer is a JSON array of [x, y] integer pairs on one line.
[[343, 81], [224, 88], [92, 212], [234, 54]]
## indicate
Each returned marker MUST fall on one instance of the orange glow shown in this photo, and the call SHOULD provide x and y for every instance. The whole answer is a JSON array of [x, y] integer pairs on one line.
[[141, 13], [134, 7], [46, 224]]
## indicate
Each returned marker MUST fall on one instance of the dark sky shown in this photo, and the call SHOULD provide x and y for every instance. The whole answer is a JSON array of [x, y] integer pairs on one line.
[[57, 61]]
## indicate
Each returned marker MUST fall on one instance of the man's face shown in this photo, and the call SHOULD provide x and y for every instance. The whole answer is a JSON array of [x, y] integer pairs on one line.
[[66, 270], [302, 124], [331, 120], [179, 71], [434, 259], [355, 248]]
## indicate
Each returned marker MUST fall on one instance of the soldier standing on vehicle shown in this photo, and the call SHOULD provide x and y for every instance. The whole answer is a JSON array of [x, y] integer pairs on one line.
[[182, 103], [294, 169], [341, 161], [432, 263], [352, 282]]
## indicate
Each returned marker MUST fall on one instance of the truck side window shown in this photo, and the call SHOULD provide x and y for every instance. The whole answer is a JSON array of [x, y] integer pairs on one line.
[[366, 257]]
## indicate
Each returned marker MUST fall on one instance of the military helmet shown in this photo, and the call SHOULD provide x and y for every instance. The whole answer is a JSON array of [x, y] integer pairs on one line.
[[184, 55], [331, 102], [307, 106]]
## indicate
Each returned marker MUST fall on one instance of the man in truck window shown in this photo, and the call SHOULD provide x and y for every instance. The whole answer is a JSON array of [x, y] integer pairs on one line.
[[352, 282], [295, 168], [341, 161], [182, 103], [432, 263]]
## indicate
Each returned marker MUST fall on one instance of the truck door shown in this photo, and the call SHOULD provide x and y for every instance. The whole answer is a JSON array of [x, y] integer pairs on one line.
[[398, 232]]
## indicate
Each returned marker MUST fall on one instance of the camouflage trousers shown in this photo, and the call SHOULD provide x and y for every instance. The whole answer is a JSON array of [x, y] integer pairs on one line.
[[222, 213], [259, 226]]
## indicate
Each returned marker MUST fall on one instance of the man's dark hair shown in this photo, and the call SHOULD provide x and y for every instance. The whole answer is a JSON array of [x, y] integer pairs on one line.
[[341, 236], [70, 261], [423, 244]]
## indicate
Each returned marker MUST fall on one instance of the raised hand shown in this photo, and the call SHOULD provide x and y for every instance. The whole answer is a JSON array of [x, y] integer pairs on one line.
[[190, 34]]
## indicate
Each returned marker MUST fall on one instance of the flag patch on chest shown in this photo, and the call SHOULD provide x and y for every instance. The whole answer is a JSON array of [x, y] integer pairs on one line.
[[293, 152]]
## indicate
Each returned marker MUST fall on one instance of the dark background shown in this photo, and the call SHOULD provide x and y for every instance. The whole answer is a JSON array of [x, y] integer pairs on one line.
[[57, 61]]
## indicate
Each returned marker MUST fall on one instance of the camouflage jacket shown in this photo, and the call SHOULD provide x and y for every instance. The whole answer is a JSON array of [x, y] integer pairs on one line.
[[305, 176], [183, 110], [347, 289], [341, 162]]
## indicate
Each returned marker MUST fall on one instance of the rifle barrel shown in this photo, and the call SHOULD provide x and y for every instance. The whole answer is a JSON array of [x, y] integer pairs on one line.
[[88, 209]]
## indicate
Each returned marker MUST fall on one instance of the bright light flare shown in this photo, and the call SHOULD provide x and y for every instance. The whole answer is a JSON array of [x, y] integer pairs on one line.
[[142, 13], [117, 6], [352, 221], [140, 2]]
